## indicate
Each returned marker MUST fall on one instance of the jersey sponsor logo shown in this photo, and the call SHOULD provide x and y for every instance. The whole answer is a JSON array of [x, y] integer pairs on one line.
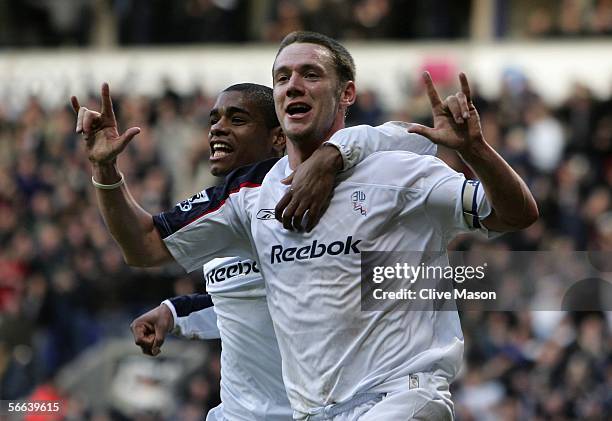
[[265, 214], [187, 205], [314, 250], [358, 199], [221, 274]]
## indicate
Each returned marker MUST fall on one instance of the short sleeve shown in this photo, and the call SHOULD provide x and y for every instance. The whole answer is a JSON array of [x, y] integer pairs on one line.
[[456, 205], [357, 143]]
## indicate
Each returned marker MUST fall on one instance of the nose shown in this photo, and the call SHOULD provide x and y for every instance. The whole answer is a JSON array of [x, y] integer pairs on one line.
[[295, 86], [219, 128]]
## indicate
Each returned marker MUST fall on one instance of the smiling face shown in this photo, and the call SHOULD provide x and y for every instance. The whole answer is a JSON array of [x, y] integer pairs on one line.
[[239, 135], [309, 99]]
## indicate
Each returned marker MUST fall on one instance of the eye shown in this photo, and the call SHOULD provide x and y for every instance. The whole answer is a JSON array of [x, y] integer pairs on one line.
[[281, 78], [238, 120], [311, 75], [213, 121]]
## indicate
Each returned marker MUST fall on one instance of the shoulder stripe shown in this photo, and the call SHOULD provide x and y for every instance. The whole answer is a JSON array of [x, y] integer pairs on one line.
[[211, 199], [221, 203]]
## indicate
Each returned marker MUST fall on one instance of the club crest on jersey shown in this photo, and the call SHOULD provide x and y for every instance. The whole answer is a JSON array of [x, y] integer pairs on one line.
[[358, 200], [265, 214], [187, 205]]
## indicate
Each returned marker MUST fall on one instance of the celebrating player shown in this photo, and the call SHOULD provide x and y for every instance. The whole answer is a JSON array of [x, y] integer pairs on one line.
[[243, 130], [362, 364]]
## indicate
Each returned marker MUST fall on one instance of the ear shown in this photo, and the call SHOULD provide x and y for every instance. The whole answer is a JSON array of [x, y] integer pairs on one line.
[[278, 141], [349, 95]]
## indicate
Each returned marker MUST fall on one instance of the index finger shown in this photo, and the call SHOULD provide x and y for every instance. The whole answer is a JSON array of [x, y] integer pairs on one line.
[[465, 86], [75, 104], [107, 103], [281, 205], [434, 98]]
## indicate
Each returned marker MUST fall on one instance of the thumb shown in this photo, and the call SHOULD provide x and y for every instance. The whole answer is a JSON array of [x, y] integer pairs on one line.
[[288, 180], [428, 132], [127, 136]]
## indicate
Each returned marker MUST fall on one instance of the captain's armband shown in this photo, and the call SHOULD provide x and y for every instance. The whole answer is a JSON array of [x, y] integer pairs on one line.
[[469, 199]]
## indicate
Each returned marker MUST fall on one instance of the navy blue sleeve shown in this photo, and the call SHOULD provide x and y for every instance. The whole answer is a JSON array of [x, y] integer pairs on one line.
[[187, 304], [211, 199]]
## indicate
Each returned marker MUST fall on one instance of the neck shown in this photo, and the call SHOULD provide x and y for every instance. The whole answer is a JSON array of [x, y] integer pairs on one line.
[[299, 152]]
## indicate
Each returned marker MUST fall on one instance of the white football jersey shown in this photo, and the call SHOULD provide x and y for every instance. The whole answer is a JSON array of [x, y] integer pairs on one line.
[[330, 349]]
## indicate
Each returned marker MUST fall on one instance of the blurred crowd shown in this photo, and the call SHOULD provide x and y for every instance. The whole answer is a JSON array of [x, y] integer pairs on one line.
[[64, 287], [568, 18], [144, 22]]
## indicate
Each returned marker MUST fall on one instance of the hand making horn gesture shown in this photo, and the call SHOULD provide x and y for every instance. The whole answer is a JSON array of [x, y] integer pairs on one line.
[[99, 130], [456, 121]]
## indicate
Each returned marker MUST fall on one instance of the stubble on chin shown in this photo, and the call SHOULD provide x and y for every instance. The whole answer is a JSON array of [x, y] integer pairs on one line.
[[299, 137], [308, 134], [300, 134]]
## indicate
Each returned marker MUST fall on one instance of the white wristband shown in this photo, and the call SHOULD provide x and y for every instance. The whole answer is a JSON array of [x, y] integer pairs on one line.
[[108, 186]]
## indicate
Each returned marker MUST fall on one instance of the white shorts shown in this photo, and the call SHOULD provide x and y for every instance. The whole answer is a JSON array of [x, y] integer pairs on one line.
[[425, 398]]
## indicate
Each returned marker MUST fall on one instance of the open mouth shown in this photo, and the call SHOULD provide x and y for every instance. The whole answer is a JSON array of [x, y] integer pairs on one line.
[[219, 149], [298, 109]]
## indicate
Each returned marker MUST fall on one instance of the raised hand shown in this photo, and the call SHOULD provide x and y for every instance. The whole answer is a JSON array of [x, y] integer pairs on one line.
[[150, 329], [99, 129], [456, 121]]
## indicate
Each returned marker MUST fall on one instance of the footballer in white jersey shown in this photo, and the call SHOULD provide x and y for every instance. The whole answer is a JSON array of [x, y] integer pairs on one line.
[[332, 351], [244, 129]]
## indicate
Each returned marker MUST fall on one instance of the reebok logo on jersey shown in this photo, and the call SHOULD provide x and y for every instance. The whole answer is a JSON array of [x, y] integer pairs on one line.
[[221, 274], [265, 214], [313, 250]]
